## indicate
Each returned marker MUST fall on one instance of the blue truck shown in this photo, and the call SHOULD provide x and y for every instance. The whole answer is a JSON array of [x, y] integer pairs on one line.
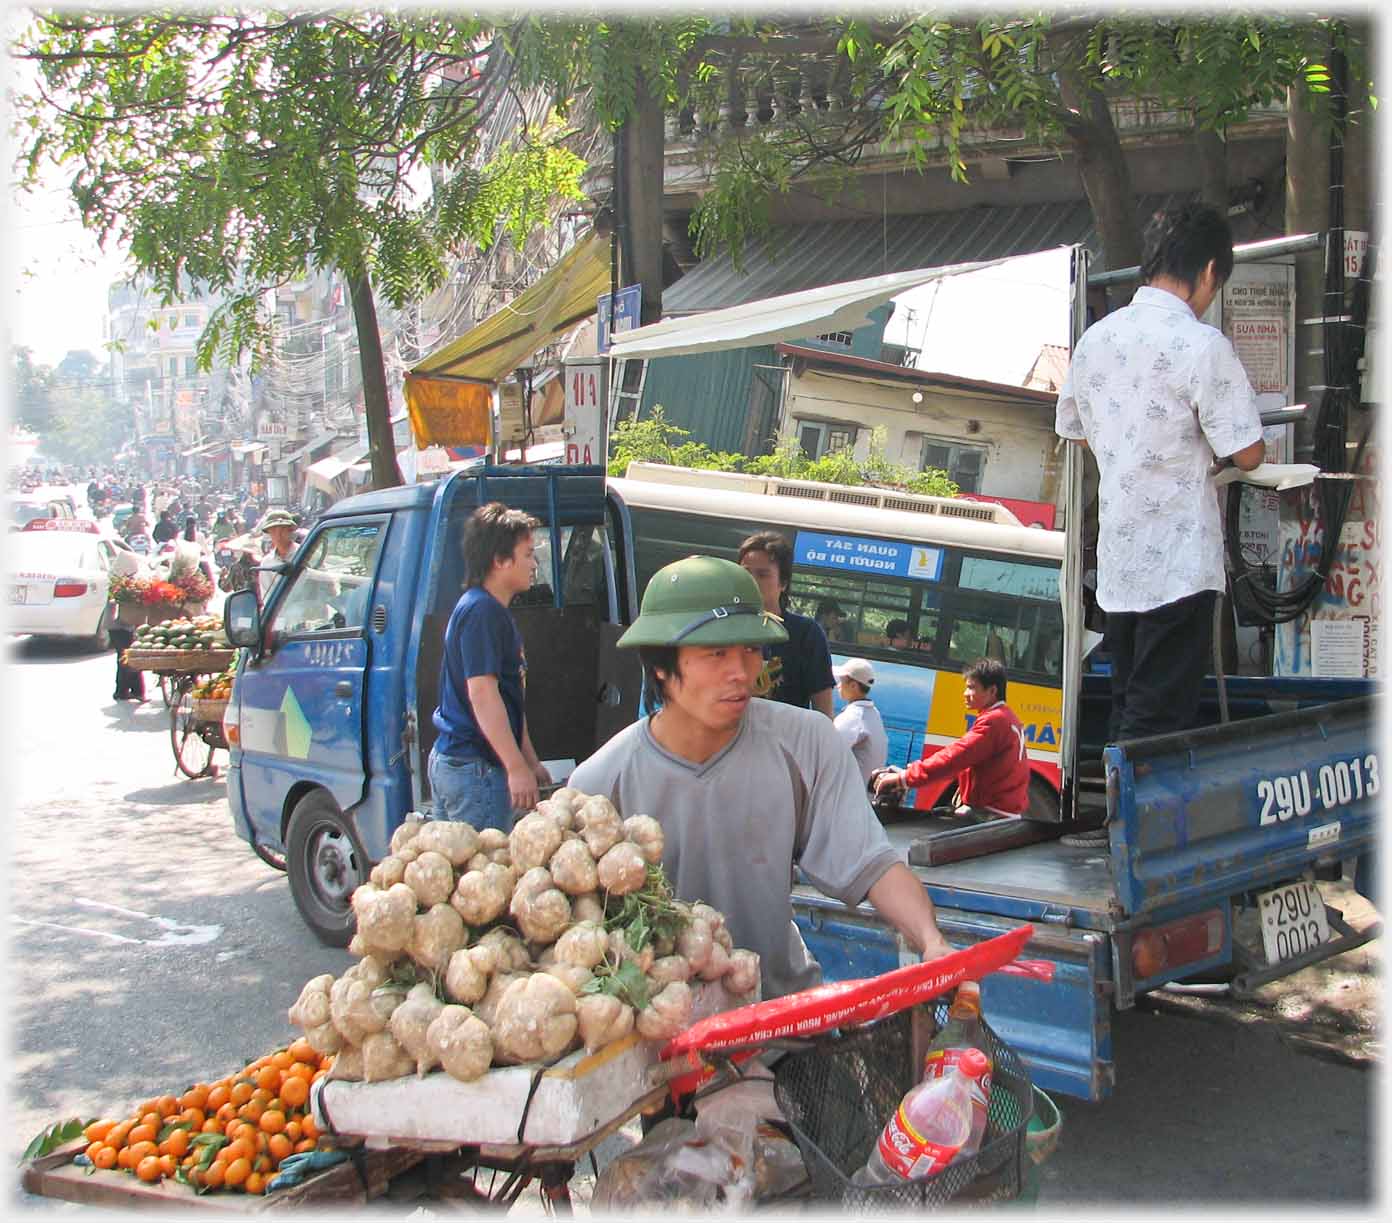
[[1208, 834]]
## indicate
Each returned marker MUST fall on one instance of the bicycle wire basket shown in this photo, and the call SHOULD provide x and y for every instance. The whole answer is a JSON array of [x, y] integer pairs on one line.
[[838, 1095]]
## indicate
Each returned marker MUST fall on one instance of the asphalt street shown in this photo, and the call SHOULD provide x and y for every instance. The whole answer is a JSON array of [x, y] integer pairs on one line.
[[150, 948]]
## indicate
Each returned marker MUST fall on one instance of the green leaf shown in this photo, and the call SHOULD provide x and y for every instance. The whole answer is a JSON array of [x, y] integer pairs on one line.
[[630, 984], [51, 1137]]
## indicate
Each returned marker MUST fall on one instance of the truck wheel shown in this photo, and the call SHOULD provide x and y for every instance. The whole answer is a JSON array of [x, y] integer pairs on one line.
[[1043, 802], [325, 865]]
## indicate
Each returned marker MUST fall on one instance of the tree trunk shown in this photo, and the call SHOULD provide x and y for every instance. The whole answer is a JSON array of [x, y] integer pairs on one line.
[[376, 403], [640, 206], [1103, 169], [1212, 152]]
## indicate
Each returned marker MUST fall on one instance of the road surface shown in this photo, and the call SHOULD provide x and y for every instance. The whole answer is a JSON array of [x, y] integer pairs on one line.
[[150, 948]]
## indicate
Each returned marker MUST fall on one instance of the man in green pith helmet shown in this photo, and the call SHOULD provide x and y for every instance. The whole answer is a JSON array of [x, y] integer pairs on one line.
[[745, 789]]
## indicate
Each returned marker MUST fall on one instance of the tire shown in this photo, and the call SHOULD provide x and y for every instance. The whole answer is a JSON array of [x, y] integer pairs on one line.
[[1043, 800], [193, 754], [166, 687], [101, 639], [325, 863]]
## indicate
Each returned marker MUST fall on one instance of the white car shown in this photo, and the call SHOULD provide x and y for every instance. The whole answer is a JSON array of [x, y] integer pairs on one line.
[[57, 579]]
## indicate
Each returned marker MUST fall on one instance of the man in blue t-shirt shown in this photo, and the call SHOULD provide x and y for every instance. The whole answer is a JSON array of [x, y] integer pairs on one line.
[[798, 671], [483, 767]]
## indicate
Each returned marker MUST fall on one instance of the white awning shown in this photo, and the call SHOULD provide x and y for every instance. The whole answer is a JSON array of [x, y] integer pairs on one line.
[[242, 450], [791, 316], [323, 473]]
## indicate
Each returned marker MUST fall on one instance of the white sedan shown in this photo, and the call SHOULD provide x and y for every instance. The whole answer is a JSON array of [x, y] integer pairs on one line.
[[56, 581]]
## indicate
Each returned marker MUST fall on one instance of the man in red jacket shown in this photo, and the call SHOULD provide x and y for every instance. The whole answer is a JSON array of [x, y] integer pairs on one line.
[[989, 761]]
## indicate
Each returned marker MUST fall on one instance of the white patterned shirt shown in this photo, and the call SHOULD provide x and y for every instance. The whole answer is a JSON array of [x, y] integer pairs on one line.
[[1157, 395]]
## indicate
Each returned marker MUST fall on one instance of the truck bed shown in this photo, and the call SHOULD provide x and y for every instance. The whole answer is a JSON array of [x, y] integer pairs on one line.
[[1048, 880]]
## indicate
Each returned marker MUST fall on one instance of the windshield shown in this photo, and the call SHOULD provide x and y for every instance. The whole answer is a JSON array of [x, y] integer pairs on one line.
[[27, 511]]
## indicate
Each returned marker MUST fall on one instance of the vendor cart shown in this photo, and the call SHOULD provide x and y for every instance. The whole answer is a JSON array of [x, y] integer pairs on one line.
[[195, 724]]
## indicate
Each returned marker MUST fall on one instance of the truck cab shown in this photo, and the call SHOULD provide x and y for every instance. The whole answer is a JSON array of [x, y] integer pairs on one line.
[[330, 724]]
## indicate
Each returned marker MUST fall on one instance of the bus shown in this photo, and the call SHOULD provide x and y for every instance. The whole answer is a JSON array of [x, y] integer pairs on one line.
[[964, 578]]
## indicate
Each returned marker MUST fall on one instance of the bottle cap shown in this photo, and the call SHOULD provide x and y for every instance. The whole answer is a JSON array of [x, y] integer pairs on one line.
[[973, 1063]]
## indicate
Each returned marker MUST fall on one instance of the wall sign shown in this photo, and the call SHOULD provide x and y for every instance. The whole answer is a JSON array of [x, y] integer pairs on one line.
[[870, 557]]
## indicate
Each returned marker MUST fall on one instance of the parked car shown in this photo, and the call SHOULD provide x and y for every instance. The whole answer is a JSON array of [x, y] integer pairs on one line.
[[57, 578], [32, 507]]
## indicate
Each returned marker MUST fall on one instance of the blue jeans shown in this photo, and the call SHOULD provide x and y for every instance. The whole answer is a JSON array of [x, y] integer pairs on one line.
[[471, 790]]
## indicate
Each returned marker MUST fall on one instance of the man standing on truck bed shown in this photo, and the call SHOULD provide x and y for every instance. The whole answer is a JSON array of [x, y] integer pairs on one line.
[[1156, 395], [746, 788], [989, 761], [482, 766], [799, 670]]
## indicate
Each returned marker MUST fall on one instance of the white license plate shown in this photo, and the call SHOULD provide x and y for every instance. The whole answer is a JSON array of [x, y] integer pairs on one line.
[[18, 594], [1293, 921]]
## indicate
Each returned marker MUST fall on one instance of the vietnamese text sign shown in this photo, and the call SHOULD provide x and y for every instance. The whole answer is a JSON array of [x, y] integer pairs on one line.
[[1259, 319], [1339, 648], [871, 557], [584, 410]]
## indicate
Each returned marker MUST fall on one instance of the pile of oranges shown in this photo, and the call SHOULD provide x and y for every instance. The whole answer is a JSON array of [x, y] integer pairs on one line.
[[232, 1134]]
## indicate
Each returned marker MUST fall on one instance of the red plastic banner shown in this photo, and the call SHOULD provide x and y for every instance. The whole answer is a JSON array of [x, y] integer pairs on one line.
[[846, 1003]]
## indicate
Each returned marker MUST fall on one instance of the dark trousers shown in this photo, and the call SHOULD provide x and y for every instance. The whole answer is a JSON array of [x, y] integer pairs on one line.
[[1159, 660], [129, 682]]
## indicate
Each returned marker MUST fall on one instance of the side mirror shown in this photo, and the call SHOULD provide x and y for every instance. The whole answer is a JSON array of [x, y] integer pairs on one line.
[[241, 619]]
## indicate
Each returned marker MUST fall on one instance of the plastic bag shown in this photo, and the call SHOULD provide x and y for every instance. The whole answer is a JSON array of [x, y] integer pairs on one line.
[[737, 1117], [676, 1169]]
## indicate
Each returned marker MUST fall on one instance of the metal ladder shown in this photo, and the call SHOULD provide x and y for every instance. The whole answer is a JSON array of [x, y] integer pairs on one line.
[[630, 376]]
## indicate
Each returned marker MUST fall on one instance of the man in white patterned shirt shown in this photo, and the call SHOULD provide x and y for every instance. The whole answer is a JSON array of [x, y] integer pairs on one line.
[[1158, 396]]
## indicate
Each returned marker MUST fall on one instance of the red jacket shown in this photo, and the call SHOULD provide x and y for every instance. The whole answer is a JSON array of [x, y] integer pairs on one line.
[[989, 762]]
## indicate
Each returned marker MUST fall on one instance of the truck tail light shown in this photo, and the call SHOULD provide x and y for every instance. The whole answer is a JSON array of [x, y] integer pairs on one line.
[[66, 588], [1187, 940]]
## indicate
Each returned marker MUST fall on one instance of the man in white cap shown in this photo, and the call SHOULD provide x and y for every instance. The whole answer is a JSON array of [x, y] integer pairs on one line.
[[859, 724]]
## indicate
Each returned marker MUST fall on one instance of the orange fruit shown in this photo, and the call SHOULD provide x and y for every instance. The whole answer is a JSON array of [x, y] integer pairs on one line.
[[273, 1121], [278, 1148], [213, 1174], [294, 1091], [150, 1106], [305, 1144], [168, 1165], [177, 1144], [212, 1126], [262, 1163], [226, 1112], [282, 1060], [138, 1151], [300, 1070], [238, 1148], [194, 1116], [237, 1171], [256, 1183], [151, 1117], [120, 1133], [217, 1098], [302, 1051], [241, 1093], [105, 1158], [311, 1130], [98, 1130], [293, 1130], [149, 1169], [251, 1112], [196, 1096], [167, 1106], [268, 1078], [143, 1133], [92, 1149]]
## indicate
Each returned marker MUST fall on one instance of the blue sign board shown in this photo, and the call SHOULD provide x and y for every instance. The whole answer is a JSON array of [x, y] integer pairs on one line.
[[627, 304], [868, 557]]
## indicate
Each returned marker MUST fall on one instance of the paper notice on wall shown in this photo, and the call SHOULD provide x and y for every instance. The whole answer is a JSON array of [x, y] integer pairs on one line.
[[1259, 525], [1259, 317], [1339, 648]]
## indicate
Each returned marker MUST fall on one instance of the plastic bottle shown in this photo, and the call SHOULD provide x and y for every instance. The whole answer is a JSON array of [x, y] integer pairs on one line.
[[941, 1120], [962, 1031]]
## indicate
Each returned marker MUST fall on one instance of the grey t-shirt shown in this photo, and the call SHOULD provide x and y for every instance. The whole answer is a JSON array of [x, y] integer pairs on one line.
[[784, 790]]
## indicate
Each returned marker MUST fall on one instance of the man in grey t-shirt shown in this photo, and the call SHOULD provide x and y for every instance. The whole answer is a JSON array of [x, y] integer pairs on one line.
[[745, 789]]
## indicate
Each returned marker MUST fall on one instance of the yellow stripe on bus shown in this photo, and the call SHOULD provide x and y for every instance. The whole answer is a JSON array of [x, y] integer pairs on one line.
[[1039, 709]]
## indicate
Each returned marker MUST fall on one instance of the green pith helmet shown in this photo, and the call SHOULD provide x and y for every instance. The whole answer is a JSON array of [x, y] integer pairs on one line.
[[703, 600]]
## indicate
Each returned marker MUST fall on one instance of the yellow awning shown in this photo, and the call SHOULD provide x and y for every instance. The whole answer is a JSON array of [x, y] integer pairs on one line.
[[447, 393]]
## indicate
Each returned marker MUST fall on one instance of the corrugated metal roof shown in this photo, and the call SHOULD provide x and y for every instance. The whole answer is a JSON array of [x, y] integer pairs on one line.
[[805, 256]]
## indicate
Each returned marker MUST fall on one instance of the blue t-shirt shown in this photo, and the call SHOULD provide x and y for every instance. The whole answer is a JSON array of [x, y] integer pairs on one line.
[[481, 639], [801, 665]]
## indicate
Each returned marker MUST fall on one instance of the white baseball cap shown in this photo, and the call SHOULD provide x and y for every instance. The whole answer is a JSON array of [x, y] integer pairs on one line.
[[858, 669]]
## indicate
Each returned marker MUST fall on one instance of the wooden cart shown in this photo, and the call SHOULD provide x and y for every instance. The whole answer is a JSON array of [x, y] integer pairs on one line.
[[195, 727]]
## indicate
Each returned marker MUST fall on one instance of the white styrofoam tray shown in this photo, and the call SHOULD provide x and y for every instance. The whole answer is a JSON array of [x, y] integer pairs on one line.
[[577, 1096]]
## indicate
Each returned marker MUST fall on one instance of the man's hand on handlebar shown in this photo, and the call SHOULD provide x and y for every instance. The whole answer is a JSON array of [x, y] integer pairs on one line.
[[885, 783]]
